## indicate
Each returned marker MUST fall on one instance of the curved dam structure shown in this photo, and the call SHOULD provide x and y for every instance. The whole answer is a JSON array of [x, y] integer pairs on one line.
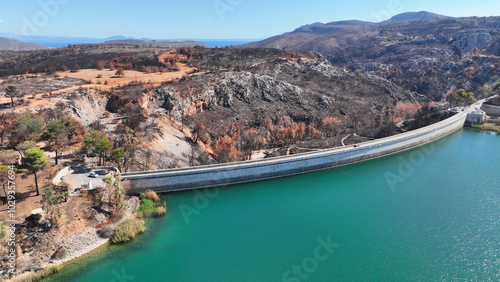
[[249, 171]]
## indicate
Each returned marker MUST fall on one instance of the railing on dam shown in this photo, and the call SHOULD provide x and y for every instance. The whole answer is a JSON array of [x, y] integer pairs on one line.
[[248, 171]]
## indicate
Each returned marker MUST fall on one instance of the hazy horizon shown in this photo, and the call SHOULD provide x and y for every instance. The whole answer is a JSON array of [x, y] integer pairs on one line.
[[214, 19]]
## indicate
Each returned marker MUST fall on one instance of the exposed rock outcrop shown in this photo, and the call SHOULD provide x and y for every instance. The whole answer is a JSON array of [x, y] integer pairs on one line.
[[467, 40]]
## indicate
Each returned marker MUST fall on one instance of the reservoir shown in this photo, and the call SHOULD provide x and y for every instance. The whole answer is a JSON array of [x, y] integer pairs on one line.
[[431, 213]]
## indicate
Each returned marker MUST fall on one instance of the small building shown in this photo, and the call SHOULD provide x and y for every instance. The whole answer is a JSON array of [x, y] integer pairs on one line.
[[475, 117], [87, 185]]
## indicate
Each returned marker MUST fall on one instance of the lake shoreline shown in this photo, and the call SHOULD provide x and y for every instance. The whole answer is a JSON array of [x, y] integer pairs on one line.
[[78, 246]]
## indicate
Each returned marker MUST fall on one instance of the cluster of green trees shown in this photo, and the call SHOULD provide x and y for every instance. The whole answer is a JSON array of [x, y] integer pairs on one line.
[[23, 133], [34, 160], [488, 90], [59, 132], [459, 96], [99, 143]]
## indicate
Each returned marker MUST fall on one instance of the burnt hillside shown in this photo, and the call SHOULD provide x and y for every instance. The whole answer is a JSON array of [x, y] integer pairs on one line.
[[264, 90], [428, 55], [84, 55], [239, 103]]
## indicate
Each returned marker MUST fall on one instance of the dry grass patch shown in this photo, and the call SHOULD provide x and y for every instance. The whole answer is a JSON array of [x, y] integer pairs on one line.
[[127, 230], [111, 79], [487, 127], [150, 194]]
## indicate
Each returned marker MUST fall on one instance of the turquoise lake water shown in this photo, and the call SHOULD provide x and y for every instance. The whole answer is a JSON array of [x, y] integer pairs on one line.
[[429, 214]]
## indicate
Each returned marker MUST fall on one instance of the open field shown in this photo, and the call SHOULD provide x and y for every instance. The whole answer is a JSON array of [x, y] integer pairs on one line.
[[130, 76], [26, 198], [154, 79], [107, 80]]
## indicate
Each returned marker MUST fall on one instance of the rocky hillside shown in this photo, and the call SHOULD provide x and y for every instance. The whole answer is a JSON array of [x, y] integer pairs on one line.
[[267, 91], [240, 104], [423, 52]]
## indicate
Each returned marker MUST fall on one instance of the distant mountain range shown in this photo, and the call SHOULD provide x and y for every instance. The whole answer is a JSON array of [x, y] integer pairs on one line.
[[43, 42], [410, 16], [338, 33], [10, 44], [58, 42], [421, 51]]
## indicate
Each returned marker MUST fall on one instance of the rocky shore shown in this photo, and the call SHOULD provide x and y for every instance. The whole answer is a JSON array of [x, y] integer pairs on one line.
[[55, 251], [78, 245], [60, 245]]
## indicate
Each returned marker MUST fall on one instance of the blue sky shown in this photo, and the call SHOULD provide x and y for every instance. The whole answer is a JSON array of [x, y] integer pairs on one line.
[[207, 19]]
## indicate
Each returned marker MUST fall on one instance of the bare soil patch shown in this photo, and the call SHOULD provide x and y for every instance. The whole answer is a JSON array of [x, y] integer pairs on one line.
[[71, 81], [130, 76], [26, 198]]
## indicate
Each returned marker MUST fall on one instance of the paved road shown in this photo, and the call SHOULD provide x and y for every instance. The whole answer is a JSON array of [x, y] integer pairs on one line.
[[475, 106], [80, 172]]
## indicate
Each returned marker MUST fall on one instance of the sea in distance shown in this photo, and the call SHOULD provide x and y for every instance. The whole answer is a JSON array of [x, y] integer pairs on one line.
[[63, 42]]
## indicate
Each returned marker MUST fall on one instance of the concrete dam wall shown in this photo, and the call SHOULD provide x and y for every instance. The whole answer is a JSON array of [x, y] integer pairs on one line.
[[491, 109], [249, 171]]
